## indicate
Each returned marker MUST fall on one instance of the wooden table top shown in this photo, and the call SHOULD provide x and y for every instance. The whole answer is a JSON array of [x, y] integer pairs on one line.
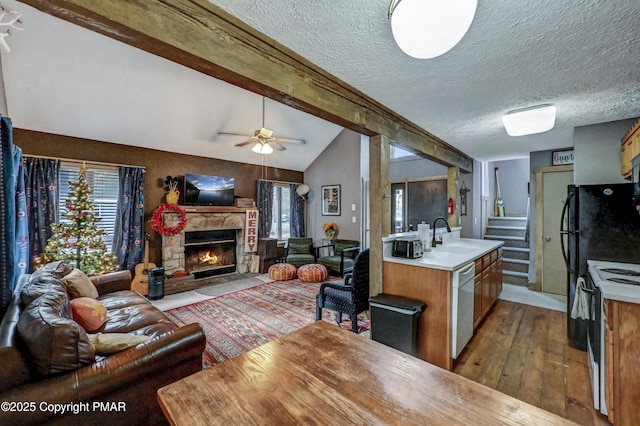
[[325, 375]]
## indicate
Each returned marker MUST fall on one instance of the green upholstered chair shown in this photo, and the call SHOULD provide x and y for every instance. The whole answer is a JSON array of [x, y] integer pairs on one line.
[[343, 257], [300, 252]]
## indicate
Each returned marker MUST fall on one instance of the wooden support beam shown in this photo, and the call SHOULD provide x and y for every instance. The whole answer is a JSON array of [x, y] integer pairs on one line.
[[453, 173], [380, 207], [202, 36]]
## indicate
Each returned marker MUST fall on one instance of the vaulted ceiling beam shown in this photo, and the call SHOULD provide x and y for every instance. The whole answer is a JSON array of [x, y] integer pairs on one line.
[[204, 37]]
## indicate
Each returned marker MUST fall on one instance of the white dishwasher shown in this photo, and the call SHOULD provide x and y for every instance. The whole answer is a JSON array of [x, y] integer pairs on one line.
[[462, 289]]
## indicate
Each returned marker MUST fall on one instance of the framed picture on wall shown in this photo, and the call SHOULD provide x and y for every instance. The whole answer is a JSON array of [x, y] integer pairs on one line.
[[331, 200]]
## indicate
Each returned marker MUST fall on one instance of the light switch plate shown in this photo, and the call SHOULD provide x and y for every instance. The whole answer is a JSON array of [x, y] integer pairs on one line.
[[353, 219], [353, 207]]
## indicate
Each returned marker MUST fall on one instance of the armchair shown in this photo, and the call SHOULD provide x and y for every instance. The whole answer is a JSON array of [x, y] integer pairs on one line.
[[350, 296], [300, 251], [343, 257]]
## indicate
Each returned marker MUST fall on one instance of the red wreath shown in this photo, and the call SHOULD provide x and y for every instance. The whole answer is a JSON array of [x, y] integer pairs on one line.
[[156, 219]]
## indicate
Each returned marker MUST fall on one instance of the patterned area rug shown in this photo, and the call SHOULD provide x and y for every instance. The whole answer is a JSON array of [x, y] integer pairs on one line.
[[238, 322]]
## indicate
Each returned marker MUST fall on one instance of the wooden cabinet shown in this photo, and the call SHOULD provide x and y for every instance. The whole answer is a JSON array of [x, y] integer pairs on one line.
[[621, 355], [629, 148], [488, 284]]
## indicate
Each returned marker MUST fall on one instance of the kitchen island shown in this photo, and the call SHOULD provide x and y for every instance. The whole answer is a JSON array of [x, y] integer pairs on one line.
[[431, 279]]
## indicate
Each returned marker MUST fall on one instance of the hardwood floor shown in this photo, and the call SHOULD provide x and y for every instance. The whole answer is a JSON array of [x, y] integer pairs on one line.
[[523, 351]]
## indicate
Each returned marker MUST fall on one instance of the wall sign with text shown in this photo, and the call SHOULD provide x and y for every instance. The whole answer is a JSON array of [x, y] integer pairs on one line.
[[560, 158], [251, 231]]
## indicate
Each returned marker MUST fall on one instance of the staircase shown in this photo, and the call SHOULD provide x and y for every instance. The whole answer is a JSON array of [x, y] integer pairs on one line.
[[515, 252]]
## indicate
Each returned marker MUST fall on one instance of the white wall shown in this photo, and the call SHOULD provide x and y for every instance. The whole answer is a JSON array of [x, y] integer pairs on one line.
[[597, 152], [339, 164], [514, 180]]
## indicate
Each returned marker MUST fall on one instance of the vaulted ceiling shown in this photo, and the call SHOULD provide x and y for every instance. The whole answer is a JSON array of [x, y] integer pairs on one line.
[[580, 56]]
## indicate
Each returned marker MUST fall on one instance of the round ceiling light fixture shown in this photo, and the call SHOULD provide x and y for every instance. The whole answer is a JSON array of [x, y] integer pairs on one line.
[[303, 191], [425, 29]]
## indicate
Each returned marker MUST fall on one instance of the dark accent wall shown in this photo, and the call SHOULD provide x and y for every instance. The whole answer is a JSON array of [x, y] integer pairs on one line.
[[159, 165]]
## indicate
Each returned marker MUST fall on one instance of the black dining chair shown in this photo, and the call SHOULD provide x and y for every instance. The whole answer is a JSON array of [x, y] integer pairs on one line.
[[350, 295]]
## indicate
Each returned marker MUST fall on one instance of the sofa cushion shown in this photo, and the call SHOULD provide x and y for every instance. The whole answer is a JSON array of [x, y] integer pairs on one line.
[[297, 248], [42, 280], [55, 341], [89, 313], [129, 312], [79, 285]]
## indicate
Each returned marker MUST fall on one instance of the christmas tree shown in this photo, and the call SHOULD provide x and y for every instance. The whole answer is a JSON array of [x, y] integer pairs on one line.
[[77, 240]]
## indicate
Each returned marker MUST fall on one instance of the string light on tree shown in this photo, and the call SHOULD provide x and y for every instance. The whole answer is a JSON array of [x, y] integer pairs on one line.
[[77, 240]]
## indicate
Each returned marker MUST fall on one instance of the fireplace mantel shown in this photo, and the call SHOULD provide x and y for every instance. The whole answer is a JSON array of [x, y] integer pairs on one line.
[[215, 209]]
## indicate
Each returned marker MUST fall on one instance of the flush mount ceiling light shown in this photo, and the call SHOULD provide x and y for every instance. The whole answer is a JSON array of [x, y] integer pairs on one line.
[[426, 29], [529, 121]]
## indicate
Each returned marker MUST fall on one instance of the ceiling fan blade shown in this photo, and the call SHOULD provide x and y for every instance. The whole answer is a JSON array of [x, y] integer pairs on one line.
[[290, 140], [279, 147], [245, 142], [246, 135]]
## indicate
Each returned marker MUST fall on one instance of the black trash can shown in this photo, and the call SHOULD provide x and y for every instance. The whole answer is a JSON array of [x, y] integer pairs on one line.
[[156, 283], [395, 322]]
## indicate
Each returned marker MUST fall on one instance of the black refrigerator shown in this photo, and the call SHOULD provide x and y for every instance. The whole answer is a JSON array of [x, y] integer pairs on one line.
[[599, 222]]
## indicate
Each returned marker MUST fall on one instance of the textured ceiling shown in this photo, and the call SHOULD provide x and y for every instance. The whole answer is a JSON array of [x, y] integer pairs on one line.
[[581, 56]]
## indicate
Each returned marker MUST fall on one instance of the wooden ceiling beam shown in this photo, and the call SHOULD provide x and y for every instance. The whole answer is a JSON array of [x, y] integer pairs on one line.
[[202, 36]]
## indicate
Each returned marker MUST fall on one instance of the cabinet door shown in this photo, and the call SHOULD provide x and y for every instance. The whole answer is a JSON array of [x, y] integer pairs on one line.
[[486, 290], [499, 276], [477, 299], [494, 282], [609, 361]]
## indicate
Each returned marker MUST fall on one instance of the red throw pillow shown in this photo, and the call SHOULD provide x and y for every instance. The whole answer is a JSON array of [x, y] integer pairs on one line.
[[89, 313]]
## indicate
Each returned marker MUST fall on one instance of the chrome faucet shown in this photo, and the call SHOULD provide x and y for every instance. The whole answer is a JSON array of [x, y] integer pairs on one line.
[[434, 242]]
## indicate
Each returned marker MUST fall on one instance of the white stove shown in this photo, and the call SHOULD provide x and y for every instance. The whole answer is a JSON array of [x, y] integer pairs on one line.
[[617, 281], [613, 281]]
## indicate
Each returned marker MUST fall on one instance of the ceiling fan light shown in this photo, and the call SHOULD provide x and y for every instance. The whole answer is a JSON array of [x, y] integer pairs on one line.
[[262, 148], [529, 121], [426, 29]]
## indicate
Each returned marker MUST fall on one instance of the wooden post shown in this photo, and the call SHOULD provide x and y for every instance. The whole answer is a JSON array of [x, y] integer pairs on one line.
[[380, 207], [452, 194]]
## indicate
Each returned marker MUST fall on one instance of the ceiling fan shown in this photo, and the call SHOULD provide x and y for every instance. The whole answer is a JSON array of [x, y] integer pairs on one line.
[[263, 138]]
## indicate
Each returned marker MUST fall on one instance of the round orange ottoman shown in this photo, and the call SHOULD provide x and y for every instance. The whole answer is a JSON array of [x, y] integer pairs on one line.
[[282, 271], [312, 273]]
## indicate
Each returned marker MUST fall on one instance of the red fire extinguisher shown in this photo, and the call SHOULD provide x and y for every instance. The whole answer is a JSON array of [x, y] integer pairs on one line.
[[450, 206]]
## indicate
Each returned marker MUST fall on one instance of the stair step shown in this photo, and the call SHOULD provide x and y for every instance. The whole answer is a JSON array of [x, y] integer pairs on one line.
[[503, 237], [510, 260], [508, 217], [511, 228], [519, 249], [515, 274]]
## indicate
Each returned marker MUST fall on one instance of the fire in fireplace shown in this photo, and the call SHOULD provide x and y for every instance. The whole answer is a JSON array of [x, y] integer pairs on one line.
[[210, 253]]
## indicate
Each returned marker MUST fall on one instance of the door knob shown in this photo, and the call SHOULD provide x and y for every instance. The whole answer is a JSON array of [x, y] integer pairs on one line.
[[547, 238]]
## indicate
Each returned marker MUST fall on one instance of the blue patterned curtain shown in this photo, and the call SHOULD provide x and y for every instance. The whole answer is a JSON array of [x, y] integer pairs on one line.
[[265, 207], [14, 244], [128, 241], [297, 212], [41, 176]]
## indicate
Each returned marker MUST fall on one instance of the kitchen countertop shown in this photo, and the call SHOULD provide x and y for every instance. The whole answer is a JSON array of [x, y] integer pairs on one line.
[[452, 255]]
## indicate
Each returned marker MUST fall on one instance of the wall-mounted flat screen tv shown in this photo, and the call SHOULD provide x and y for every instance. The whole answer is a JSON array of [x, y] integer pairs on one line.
[[203, 190]]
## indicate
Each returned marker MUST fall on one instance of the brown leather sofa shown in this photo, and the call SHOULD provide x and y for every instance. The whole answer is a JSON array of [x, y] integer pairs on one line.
[[120, 388]]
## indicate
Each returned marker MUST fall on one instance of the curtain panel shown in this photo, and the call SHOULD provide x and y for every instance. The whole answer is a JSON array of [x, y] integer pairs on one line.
[[41, 176], [297, 212], [14, 244], [265, 207], [128, 242]]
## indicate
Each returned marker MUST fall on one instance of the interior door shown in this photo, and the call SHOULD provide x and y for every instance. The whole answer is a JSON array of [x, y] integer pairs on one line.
[[554, 194]]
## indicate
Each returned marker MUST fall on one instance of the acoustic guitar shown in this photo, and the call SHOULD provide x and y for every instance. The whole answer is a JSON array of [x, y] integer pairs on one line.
[[140, 282]]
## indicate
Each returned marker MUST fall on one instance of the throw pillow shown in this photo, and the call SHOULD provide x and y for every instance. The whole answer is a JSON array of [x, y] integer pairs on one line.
[[110, 343], [79, 285], [89, 313]]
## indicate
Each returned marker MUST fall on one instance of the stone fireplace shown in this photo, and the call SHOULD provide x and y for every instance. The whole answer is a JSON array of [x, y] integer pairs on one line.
[[211, 243]]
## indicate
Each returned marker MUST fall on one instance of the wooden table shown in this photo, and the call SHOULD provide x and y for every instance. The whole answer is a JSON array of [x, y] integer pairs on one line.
[[325, 375]]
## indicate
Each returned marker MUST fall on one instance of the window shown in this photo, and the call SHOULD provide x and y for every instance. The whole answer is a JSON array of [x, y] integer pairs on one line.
[[397, 152], [280, 225], [104, 184]]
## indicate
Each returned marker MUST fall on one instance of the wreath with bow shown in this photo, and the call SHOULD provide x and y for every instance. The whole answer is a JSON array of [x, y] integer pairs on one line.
[[157, 222]]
